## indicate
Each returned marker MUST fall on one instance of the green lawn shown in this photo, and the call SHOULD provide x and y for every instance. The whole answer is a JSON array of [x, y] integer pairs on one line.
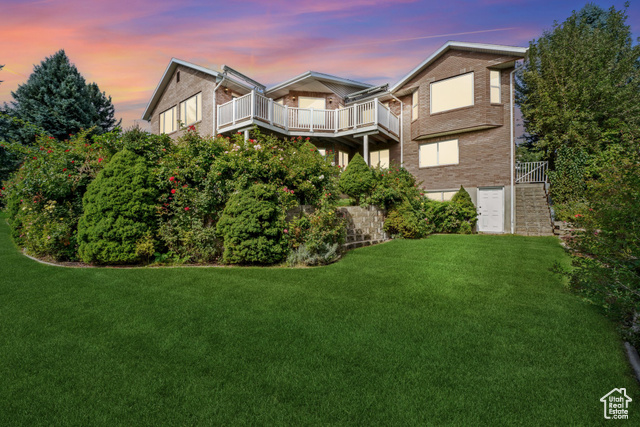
[[466, 330]]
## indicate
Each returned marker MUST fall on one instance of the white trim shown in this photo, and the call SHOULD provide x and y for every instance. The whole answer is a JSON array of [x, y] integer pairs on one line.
[[168, 73], [319, 76]]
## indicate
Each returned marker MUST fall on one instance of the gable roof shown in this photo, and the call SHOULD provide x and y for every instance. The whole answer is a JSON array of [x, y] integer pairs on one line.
[[515, 51], [168, 73], [338, 85]]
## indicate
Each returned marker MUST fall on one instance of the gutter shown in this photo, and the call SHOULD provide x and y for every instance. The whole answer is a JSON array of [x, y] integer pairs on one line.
[[512, 147], [401, 129]]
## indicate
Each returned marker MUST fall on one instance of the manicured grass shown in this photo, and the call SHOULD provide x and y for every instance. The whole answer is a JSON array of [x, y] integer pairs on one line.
[[465, 330]]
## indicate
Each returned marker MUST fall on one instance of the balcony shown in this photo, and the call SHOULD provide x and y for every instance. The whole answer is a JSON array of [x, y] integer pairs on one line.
[[256, 109]]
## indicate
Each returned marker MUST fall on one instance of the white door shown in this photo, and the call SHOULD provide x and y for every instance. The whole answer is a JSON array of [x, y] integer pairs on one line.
[[491, 210]]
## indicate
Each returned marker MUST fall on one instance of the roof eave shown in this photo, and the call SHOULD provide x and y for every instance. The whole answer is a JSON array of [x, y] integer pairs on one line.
[[510, 50]]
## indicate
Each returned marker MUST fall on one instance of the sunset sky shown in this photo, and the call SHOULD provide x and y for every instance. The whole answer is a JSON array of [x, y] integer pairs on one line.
[[124, 46]]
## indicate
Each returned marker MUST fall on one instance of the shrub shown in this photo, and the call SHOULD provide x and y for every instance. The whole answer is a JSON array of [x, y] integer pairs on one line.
[[443, 216], [190, 203], [567, 181], [119, 209], [317, 238], [465, 209], [357, 180], [323, 255], [393, 186], [406, 222], [606, 253], [253, 226], [44, 196]]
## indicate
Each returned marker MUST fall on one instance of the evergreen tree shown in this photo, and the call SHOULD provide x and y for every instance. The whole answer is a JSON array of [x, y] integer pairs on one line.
[[57, 99], [580, 84], [119, 211]]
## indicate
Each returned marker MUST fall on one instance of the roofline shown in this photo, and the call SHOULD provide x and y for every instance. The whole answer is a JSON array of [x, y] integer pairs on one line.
[[168, 72], [316, 75], [510, 50]]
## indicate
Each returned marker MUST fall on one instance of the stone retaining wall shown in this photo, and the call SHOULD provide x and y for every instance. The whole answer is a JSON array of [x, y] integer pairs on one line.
[[364, 226]]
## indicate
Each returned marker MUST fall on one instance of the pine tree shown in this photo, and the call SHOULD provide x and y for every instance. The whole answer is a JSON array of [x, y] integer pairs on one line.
[[57, 99]]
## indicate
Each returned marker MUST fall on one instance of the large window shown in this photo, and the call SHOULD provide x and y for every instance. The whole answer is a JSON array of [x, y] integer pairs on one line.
[[308, 102], [191, 110], [168, 121], [343, 158], [439, 153], [494, 77], [379, 158], [414, 106], [449, 94]]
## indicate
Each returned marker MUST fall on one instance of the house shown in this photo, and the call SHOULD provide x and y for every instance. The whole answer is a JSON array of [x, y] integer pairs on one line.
[[448, 121]]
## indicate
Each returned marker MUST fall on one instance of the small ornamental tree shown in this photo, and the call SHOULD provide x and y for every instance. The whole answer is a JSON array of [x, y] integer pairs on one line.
[[466, 210], [253, 226], [357, 180], [119, 209]]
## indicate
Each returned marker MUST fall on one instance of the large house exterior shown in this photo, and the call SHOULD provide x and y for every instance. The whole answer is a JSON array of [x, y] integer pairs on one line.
[[449, 121]]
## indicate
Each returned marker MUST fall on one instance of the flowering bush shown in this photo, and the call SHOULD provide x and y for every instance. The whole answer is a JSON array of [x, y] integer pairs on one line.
[[119, 210], [44, 196], [192, 180]]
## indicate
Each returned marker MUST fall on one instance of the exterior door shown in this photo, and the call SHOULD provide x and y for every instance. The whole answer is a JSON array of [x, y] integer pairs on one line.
[[491, 210]]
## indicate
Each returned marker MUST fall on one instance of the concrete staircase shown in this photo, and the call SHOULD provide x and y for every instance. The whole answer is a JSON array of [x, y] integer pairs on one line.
[[533, 217]]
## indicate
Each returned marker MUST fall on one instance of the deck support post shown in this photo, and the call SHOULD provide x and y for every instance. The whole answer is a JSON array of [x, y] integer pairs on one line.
[[365, 149]]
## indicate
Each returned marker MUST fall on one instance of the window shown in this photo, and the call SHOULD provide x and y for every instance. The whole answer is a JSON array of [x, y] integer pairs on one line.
[[279, 101], [379, 158], [178, 77], [441, 196], [168, 121], [456, 92], [414, 106], [322, 151], [439, 153], [343, 158], [191, 110], [308, 102], [494, 76]]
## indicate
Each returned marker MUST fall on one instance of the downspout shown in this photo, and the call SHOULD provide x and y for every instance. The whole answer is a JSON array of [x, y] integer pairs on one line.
[[512, 150], [401, 129], [215, 112]]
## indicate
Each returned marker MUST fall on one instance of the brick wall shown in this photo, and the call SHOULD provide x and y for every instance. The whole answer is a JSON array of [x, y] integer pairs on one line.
[[484, 155], [191, 83]]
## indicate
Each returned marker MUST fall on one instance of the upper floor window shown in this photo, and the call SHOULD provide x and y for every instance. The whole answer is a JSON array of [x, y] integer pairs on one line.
[[379, 158], [452, 93], [168, 120], [439, 153], [191, 110], [494, 77], [414, 106], [279, 101]]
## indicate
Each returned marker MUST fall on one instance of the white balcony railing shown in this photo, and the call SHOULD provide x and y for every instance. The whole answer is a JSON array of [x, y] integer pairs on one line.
[[257, 106], [531, 172]]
